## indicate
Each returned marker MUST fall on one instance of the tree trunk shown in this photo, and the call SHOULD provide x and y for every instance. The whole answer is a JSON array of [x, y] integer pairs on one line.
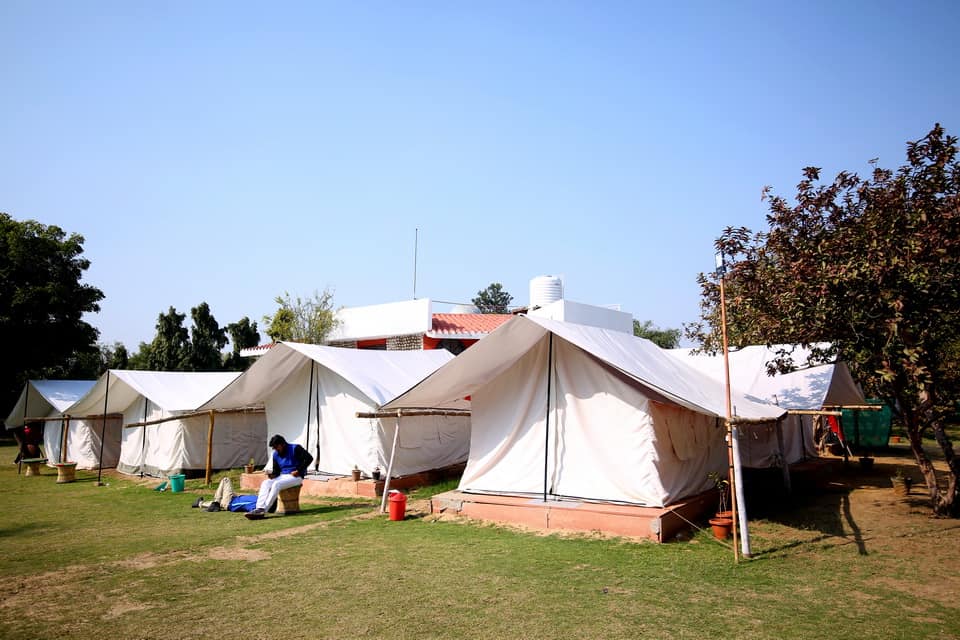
[[944, 503]]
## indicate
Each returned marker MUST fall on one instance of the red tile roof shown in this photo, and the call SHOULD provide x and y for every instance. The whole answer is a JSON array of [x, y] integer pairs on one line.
[[466, 324]]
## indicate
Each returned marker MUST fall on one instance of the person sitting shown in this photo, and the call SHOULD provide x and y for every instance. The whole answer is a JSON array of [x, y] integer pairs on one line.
[[226, 498], [290, 462]]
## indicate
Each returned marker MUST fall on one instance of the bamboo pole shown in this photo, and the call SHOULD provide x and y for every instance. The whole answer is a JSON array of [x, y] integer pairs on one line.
[[731, 430], [65, 426], [208, 475], [406, 413], [192, 414], [812, 412], [393, 451]]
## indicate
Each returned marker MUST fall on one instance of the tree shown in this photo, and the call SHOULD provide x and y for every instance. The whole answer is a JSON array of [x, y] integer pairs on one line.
[[141, 359], [243, 334], [865, 270], [663, 338], [42, 302], [207, 340], [493, 299], [308, 320], [170, 349]]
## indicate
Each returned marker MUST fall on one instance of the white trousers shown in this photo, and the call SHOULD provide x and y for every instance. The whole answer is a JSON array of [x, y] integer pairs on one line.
[[272, 487]]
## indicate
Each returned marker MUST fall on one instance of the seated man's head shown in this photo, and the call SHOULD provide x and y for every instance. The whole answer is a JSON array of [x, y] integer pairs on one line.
[[278, 444]]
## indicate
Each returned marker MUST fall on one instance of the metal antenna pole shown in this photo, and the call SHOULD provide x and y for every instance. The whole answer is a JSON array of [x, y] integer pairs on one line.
[[416, 238]]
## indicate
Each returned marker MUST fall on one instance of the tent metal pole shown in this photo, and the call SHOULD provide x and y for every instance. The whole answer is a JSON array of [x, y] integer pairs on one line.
[[143, 437], [103, 430], [393, 450], [546, 443], [783, 453], [309, 404], [316, 416], [22, 441]]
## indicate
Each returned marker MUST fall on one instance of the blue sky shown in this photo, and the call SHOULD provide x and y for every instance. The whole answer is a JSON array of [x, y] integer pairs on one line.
[[230, 151]]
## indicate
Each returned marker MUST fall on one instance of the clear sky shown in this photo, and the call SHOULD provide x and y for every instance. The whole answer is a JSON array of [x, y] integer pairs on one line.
[[230, 151]]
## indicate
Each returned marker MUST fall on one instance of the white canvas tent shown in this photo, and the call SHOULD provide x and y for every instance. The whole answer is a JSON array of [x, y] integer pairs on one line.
[[312, 394], [175, 445], [809, 388], [616, 419], [51, 399]]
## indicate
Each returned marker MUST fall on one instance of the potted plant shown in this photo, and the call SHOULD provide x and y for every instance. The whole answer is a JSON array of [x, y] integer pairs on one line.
[[866, 462], [376, 473], [356, 473], [723, 487], [248, 468], [901, 483]]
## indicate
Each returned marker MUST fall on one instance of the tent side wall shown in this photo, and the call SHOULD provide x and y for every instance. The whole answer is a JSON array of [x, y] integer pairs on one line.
[[180, 445], [608, 440], [343, 440], [83, 441]]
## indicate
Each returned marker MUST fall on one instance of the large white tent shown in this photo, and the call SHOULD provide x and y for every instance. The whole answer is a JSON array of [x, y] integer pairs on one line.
[[312, 394], [567, 410], [50, 399], [177, 444], [809, 388]]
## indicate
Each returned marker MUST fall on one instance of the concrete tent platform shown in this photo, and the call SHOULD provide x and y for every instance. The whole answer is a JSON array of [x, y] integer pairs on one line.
[[652, 523], [346, 486]]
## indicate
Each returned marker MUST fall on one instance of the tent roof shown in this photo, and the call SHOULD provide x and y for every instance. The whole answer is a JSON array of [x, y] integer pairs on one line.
[[641, 360], [805, 388], [170, 390], [46, 397], [379, 375]]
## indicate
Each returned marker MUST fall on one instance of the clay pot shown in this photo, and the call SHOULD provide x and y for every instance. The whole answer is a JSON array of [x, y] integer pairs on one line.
[[721, 527], [356, 475]]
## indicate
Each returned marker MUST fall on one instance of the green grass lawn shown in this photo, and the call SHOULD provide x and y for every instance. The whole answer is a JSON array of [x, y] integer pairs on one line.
[[123, 561]]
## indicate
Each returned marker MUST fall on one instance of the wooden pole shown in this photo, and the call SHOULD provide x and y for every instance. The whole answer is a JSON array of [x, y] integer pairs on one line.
[[406, 413], [393, 451], [209, 474], [731, 472], [65, 426], [193, 414]]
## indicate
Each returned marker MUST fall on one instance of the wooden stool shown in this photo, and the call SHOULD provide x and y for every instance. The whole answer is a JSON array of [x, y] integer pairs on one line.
[[66, 472], [289, 501], [33, 465]]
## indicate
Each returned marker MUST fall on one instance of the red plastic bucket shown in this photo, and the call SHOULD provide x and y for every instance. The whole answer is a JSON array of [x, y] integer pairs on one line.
[[398, 505]]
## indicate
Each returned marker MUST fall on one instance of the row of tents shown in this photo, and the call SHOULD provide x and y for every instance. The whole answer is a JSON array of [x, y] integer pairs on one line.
[[539, 407]]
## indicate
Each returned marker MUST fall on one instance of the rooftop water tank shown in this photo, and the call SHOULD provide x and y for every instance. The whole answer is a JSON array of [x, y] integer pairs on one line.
[[544, 290], [464, 308]]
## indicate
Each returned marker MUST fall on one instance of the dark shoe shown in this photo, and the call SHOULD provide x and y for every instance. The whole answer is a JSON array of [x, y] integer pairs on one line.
[[214, 507], [196, 503], [256, 514]]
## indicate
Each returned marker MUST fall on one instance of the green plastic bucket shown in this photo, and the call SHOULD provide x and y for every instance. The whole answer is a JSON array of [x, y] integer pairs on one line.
[[176, 482]]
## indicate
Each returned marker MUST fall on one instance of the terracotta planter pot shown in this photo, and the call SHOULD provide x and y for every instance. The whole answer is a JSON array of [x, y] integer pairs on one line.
[[721, 527], [356, 475]]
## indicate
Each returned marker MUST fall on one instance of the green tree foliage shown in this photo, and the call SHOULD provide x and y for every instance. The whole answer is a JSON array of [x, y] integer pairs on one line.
[[142, 358], [493, 299], [170, 349], [207, 339], [308, 320], [243, 334], [869, 266], [663, 338], [42, 302]]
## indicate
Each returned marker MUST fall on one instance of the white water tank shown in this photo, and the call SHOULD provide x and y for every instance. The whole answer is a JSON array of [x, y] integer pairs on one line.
[[544, 290], [464, 308]]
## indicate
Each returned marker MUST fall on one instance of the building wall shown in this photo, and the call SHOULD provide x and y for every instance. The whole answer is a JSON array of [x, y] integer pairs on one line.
[[405, 343]]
